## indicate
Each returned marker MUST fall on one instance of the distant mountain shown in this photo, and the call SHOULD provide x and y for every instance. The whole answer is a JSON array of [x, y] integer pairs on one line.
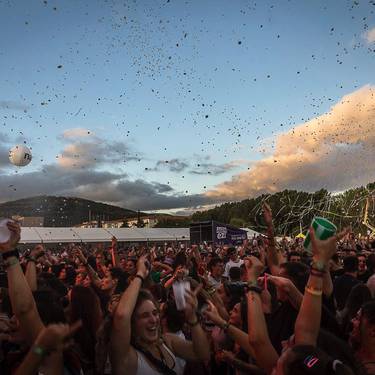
[[64, 211]]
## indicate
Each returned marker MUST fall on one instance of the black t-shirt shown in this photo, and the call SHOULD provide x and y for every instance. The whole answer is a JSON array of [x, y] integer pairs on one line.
[[342, 287], [280, 324]]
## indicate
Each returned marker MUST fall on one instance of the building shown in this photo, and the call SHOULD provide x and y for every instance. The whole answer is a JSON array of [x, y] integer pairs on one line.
[[29, 221], [147, 221]]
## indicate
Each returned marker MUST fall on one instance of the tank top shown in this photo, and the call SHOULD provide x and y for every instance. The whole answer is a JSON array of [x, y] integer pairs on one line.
[[145, 369]]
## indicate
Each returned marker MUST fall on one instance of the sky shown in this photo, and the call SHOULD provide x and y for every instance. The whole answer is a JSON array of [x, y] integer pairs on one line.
[[174, 106]]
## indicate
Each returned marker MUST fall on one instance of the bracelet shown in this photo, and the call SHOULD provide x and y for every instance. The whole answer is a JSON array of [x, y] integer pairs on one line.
[[193, 324], [313, 291], [12, 253], [11, 262], [225, 326], [315, 272], [139, 277], [40, 351]]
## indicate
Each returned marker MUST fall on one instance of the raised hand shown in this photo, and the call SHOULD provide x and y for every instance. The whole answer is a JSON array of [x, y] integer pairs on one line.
[[55, 336], [267, 214], [212, 314], [15, 235], [254, 267], [142, 269], [192, 303], [324, 250], [79, 254]]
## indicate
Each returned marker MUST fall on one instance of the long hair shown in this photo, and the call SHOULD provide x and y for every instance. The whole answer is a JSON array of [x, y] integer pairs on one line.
[[85, 305]]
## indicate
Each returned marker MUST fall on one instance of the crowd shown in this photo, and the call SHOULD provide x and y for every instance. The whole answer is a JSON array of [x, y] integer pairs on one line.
[[261, 307]]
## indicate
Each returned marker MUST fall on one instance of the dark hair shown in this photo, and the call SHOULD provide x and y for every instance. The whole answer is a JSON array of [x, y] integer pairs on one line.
[[368, 311], [370, 262], [351, 264], [175, 319], [121, 277], [85, 306], [298, 273], [49, 308], [231, 251], [179, 260], [213, 262], [357, 297], [293, 254]]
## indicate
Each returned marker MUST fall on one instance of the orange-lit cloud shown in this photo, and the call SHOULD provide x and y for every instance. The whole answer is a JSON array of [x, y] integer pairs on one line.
[[334, 151]]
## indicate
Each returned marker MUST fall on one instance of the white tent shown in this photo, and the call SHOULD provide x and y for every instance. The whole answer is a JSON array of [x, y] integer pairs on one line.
[[93, 234], [54, 235], [63, 235], [30, 235]]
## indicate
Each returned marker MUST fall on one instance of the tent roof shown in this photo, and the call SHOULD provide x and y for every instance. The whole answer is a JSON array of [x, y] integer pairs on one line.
[[29, 235], [57, 235], [93, 234]]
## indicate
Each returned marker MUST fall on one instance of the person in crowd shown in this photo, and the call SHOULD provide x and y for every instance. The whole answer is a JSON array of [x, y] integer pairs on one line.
[[234, 261], [344, 284], [216, 270], [262, 307]]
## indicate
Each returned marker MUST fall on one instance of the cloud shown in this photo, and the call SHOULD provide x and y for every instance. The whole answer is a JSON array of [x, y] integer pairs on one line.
[[93, 153], [174, 165], [333, 151], [370, 36], [96, 185], [4, 150], [11, 105], [216, 169], [77, 133]]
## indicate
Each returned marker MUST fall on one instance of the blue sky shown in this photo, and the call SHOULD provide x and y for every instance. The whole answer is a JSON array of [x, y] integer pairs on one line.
[[179, 97]]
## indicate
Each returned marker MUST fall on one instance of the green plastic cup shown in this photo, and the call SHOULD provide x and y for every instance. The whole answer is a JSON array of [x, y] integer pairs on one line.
[[323, 229]]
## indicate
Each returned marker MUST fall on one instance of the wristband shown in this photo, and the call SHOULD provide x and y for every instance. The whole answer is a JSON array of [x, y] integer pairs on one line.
[[139, 277], [12, 253], [313, 291]]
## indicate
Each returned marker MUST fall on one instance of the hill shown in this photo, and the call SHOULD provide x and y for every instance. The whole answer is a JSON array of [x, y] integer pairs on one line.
[[293, 210], [64, 211]]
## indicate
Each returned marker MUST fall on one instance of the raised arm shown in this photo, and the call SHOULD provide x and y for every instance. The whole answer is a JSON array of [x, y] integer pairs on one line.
[[21, 298], [240, 337], [308, 320], [114, 253], [30, 274], [95, 279], [52, 338], [198, 348], [264, 353], [121, 327]]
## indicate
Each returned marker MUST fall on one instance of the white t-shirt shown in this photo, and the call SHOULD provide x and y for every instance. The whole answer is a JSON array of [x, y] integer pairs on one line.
[[231, 264]]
